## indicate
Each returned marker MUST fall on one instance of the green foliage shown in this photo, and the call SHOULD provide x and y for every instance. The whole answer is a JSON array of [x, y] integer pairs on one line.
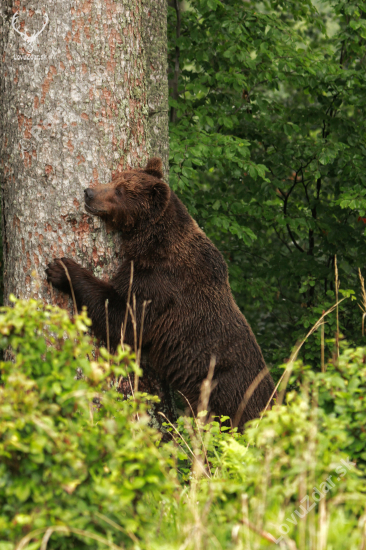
[[268, 152], [81, 469], [65, 462], [294, 476]]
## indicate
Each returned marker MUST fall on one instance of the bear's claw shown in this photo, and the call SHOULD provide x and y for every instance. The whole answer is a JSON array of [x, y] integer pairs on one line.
[[56, 273]]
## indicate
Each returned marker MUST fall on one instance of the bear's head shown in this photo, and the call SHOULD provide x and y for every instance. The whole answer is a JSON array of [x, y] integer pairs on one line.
[[133, 200]]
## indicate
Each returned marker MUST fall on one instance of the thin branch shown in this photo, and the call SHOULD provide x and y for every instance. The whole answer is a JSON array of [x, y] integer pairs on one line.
[[287, 195], [282, 241], [293, 239], [304, 186]]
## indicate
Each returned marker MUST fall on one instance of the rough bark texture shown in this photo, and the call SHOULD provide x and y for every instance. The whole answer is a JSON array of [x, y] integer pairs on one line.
[[88, 101], [155, 42]]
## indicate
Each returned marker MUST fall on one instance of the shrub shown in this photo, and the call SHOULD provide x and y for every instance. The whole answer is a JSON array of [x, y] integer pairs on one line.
[[80, 468], [68, 466]]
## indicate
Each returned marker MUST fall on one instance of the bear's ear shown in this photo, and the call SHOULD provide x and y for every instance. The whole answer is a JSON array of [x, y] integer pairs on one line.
[[154, 167]]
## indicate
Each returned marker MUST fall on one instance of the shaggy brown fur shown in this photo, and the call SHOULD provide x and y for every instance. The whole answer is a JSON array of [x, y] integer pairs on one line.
[[192, 314]]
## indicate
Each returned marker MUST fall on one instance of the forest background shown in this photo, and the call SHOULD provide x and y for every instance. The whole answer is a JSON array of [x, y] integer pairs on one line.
[[267, 150]]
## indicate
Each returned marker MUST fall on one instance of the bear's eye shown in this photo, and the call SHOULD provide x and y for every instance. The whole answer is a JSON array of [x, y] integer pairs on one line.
[[118, 191]]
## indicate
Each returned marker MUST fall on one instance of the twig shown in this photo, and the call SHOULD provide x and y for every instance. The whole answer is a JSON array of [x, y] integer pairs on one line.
[[46, 538], [72, 289]]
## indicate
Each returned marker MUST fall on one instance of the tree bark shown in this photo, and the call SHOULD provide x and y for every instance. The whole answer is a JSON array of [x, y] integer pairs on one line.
[[155, 43], [83, 100]]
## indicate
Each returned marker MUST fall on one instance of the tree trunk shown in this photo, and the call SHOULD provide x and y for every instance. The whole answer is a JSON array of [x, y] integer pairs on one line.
[[82, 100], [155, 44]]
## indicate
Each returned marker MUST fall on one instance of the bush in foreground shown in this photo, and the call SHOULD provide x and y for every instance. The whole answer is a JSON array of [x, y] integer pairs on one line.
[[66, 464], [75, 473]]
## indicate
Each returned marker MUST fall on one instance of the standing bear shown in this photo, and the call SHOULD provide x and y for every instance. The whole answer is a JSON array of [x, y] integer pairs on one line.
[[191, 313]]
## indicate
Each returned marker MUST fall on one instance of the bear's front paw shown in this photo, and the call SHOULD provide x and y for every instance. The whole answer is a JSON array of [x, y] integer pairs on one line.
[[56, 273]]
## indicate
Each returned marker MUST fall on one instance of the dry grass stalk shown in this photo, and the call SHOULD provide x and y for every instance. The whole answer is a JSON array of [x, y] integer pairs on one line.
[[201, 453], [322, 347], [91, 413], [363, 527], [118, 527], [207, 386], [302, 524], [134, 324], [71, 287], [248, 394], [124, 325], [195, 458], [62, 529], [337, 284], [123, 329], [107, 324], [245, 518], [132, 311], [363, 305], [199, 430], [288, 370], [312, 447], [322, 524], [144, 305], [254, 528]]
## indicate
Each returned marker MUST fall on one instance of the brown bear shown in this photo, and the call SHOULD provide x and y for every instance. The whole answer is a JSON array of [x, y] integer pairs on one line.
[[191, 314]]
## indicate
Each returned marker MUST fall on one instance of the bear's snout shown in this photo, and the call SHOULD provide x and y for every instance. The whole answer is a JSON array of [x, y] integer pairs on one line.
[[89, 193]]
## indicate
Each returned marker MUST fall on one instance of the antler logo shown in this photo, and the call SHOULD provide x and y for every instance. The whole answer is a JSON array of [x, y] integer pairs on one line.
[[31, 40]]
